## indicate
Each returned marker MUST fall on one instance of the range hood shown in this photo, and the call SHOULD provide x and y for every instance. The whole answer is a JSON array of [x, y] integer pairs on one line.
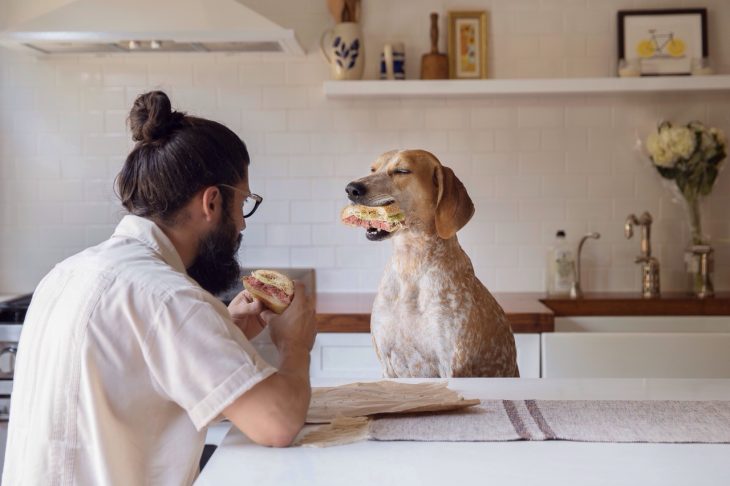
[[119, 26]]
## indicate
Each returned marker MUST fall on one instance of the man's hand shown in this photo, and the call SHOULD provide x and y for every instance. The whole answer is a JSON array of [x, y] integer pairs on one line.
[[295, 327], [246, 313]]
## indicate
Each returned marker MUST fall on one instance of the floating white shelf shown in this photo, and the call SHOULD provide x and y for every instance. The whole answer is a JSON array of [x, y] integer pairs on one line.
[[492, 87]]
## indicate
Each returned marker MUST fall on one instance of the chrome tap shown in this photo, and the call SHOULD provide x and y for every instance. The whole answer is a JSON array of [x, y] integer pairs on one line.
[[705, 253], [575, 291], [649, 264]]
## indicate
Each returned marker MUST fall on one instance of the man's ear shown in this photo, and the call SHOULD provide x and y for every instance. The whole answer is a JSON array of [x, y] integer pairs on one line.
[[211, 202], [454, 207]]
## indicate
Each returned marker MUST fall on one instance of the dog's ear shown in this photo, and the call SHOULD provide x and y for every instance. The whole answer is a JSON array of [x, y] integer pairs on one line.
[[454, 207]]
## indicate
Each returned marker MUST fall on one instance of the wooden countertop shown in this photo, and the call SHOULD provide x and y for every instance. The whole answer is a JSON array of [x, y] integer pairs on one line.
[[531, 312], [340, 312], [633, 304]]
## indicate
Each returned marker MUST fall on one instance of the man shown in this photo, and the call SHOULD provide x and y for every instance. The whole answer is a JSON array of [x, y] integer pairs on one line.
[[126, 356]]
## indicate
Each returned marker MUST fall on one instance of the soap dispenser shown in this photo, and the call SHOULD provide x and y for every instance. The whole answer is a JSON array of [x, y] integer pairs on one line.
[[560, 271]]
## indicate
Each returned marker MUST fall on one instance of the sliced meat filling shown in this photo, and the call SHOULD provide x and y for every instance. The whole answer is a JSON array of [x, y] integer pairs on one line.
[[381, 225], [268, 289]]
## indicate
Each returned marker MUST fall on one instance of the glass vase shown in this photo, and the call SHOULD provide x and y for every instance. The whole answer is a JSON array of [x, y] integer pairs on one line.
[[694, 212], [699, 256]]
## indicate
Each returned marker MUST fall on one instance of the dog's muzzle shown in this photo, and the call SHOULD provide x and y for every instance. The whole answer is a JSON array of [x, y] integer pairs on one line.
[[356, 191]]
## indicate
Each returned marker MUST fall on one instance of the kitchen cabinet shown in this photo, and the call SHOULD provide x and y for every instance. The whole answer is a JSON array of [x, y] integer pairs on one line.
[[351, 355]]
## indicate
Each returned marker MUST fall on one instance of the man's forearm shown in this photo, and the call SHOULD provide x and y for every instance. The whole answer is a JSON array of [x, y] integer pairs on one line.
[[273, 411], [294, 371]]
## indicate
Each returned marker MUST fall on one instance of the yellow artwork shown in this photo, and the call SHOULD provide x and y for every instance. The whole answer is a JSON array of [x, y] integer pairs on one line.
[[468, 44], [468, 50], [661, 45]]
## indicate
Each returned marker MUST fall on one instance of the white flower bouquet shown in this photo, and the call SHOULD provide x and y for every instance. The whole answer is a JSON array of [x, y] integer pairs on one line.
[[691, 156]]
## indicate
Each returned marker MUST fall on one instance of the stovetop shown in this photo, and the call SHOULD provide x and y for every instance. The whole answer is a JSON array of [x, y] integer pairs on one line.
[[13, 311]]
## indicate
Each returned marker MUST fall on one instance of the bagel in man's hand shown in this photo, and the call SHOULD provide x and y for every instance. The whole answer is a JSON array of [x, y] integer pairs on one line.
[[275, 290]]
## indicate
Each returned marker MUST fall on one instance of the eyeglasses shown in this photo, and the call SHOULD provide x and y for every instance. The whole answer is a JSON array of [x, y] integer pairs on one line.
[[250, 203]]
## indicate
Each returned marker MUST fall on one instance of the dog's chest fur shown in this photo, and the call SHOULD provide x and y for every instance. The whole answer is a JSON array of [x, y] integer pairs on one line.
[[433, 318]]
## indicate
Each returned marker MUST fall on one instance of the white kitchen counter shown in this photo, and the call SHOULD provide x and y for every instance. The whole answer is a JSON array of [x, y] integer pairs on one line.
[[238, 461]]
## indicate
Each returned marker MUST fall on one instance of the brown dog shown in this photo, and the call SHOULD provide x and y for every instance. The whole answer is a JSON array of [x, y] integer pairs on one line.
[[432, 317]]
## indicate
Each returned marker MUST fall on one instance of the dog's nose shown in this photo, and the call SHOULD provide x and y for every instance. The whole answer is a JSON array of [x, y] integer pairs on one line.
[[355, 189]]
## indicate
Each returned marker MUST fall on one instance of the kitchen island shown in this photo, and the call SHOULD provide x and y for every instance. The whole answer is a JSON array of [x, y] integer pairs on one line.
[[238, 461]]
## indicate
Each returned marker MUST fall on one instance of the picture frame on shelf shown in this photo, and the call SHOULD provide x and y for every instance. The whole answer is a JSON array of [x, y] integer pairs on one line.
[[665, 42], [467, 36]]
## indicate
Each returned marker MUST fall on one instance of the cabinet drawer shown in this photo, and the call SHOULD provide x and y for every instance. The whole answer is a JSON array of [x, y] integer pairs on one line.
[[349, 355]]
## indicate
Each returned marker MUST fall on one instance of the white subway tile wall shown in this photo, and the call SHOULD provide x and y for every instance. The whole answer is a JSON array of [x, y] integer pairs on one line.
[[532, 164]]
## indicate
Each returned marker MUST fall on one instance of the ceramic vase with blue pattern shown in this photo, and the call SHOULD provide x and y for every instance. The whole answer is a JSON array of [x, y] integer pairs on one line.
[[343, 48]]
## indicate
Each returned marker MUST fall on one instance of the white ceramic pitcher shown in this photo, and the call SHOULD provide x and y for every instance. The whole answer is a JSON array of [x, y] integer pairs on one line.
[[343, 48]]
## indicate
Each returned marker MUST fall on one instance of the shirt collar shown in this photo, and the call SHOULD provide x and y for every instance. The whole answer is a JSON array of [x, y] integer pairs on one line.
[[150, 234]]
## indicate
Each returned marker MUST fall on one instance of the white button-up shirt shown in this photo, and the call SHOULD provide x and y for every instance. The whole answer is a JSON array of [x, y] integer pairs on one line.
[[122, 364]]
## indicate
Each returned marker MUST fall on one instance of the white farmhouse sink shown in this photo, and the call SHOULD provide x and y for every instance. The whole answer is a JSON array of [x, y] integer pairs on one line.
[[637, 347]]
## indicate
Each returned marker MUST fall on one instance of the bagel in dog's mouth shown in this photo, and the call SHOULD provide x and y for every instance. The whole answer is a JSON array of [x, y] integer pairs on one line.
[[380, 222]]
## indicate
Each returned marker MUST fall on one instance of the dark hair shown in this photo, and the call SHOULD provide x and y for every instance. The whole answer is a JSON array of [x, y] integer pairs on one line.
[[176, 156]]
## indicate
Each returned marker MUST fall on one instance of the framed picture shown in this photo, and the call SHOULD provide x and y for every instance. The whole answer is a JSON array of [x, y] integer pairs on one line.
[[468, 45], [663, 42]]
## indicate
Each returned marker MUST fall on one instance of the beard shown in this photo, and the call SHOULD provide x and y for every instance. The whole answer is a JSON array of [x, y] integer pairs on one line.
[[216, 267]]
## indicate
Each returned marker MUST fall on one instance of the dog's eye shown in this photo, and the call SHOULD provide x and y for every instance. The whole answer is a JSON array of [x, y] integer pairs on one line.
[[372, 169], [401, 171]]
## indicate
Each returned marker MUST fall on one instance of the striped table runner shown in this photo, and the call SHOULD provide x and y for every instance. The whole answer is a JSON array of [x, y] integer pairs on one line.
[[658, 421]]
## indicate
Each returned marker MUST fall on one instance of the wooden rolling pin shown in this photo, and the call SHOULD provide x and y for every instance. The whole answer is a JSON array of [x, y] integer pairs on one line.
[[434, 65]]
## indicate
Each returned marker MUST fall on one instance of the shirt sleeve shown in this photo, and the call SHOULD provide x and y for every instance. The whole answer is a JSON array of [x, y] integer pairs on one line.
[[199, 358]]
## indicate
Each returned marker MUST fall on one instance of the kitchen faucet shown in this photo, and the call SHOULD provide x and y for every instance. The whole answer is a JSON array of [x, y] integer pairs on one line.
[[575, 291], [649, 264]]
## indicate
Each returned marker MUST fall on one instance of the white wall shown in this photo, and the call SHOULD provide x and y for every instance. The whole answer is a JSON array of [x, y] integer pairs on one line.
[[532, 164]]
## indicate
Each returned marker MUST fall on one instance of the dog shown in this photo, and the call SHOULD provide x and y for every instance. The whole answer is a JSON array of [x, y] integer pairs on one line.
[[432, 317]]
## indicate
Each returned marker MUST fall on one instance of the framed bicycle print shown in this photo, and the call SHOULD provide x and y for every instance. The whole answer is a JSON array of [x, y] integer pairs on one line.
[[468, 45], [663, 42]]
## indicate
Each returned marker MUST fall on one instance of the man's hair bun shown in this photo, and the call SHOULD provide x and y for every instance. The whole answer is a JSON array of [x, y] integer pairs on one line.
[[152, 118]]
